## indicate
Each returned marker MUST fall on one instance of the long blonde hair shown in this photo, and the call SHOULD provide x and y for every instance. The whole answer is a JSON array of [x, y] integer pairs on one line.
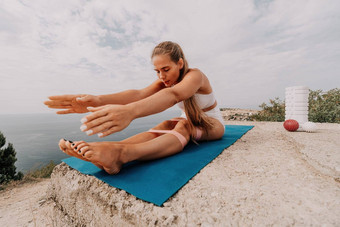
[[196, 117]]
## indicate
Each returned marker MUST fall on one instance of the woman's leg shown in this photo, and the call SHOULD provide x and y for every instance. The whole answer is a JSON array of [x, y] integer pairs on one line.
[[111, 155], [69, 147], [146, 136], [215, 133]]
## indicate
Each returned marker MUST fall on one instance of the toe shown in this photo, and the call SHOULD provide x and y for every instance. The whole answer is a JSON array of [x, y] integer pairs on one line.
[[81, 145], [68, 145], [61, 143], [75, 146], [83, 150], [77, 143]]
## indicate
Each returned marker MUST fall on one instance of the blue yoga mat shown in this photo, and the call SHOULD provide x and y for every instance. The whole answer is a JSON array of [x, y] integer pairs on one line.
[[156, 181]]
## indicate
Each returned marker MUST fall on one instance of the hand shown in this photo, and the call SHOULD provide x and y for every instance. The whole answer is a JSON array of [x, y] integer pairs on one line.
[[72, 103], [106, 120]]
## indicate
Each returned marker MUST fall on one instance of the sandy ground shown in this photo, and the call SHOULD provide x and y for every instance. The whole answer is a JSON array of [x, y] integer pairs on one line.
[[270, 176], [26, 205]]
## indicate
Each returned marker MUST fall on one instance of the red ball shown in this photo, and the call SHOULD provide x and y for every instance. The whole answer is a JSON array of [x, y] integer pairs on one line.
[[291, 125]]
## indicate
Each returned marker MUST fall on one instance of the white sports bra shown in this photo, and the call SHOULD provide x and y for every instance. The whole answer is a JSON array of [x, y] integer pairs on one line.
[[203, 100]]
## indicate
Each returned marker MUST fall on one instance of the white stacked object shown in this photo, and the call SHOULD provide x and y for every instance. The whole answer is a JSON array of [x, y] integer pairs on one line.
[[297, 104]]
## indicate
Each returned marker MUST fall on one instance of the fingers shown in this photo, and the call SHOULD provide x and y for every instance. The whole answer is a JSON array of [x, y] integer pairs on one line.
[[96, 109], [63, 97], [92, 125], [109, 131], [100, 128], [96, 113], [105, 120], [60, 101], [65, 111], [59, 106]]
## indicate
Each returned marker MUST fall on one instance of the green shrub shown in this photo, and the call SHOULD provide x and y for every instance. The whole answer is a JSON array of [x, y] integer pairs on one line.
[[43, 172], [31, 176], [7, 160], [274, 111], [323, 107]]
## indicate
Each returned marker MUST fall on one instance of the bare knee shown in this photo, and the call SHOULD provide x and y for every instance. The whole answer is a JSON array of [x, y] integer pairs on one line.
[[165, 125], [215, 133]]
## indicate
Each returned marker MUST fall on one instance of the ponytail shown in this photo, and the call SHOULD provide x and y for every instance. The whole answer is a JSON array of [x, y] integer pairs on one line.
[[195, 116]]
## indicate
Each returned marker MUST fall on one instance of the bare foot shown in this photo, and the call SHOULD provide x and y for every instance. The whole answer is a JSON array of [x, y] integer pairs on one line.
[[69, 147], [105, 154]]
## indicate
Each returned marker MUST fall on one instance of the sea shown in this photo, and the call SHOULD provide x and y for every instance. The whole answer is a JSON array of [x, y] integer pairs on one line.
[[35, 137]]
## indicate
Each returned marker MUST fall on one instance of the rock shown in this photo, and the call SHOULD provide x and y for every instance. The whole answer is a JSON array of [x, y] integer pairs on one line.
[[41, 202], [83, 200], [269, 177], [235, 114]]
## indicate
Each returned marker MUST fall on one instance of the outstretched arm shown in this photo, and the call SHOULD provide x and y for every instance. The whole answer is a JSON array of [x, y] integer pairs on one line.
[[80, 103], [129, 96], [167, 97], [113, 118]]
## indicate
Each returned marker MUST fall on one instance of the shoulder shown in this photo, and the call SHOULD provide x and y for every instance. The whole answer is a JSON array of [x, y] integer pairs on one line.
[[194, 71], [194, 74], [198, 76]]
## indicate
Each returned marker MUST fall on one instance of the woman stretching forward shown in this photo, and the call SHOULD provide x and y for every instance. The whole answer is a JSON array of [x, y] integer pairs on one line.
[[176, 83]]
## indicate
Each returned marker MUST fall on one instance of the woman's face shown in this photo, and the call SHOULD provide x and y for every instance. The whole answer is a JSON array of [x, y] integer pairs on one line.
[[167, 70]]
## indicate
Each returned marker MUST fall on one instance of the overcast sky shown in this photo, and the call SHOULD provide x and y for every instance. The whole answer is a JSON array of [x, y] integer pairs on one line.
[[250, 50]]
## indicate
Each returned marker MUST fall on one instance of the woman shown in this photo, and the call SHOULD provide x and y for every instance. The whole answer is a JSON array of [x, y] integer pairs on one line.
[[176, 83]]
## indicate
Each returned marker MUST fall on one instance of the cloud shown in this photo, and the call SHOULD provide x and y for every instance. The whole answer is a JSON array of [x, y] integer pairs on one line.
[[250, 50]]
